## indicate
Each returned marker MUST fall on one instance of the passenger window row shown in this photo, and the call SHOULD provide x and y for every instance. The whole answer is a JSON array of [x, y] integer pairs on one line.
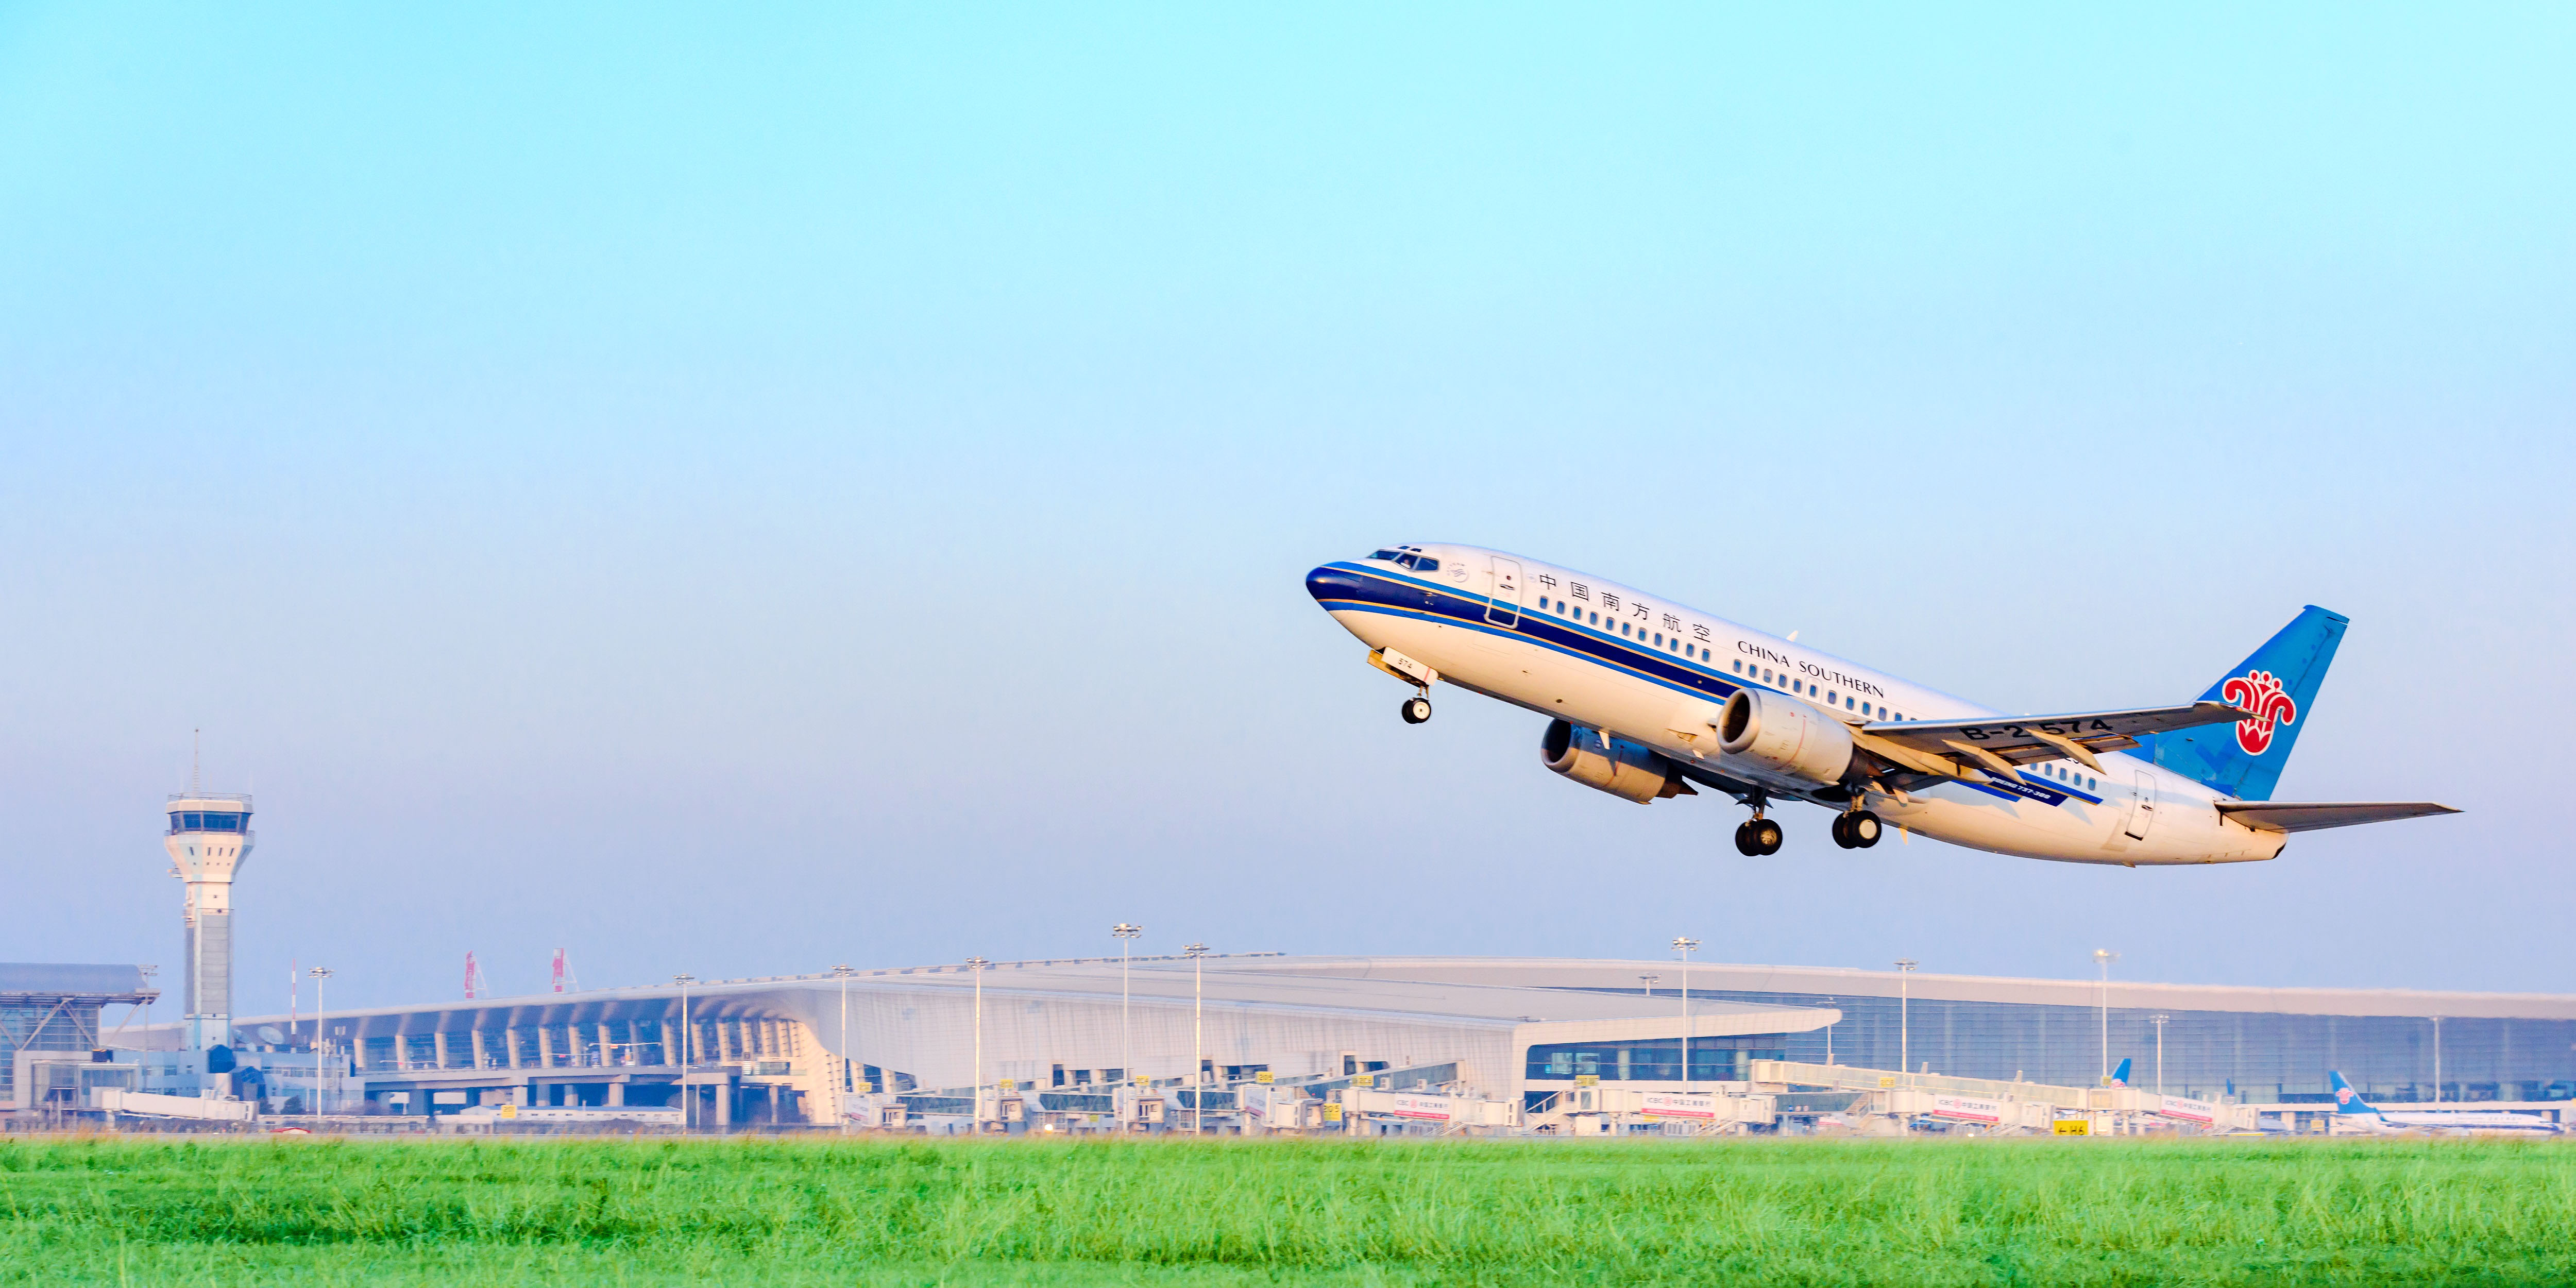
[[1818, 692], [1697, 652], [1672, 644], [2072, 779]]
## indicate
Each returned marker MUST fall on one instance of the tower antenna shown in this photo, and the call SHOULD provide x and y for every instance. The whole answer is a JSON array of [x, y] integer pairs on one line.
[[196, 755]]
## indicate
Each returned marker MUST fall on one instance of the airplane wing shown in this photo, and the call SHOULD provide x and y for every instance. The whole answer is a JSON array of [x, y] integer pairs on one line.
[[2000, 744], [2310, 816]]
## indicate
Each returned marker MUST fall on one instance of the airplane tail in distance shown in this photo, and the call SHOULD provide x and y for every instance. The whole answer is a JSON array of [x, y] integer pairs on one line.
[[2279, 684], [2347, 1100], [2120, 1076]]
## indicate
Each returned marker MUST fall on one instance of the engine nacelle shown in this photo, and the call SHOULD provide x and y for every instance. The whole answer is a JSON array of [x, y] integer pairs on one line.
[[1785, 736], [1610, 763]]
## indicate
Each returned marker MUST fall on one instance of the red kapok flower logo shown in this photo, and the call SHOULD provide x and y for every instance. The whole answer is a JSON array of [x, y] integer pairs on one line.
[[2258, 692]]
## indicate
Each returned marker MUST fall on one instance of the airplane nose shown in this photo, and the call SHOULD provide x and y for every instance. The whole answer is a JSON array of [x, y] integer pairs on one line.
[[1330, 583]]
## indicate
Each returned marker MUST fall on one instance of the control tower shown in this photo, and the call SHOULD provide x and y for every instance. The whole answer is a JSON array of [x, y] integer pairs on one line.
[[209, 839]]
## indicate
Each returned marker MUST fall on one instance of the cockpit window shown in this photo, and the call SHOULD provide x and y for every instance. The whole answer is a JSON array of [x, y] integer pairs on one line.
[[1387, 555], [1426, 564]]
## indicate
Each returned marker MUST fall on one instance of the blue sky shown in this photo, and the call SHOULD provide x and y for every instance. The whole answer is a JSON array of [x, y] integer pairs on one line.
[[738, 493]]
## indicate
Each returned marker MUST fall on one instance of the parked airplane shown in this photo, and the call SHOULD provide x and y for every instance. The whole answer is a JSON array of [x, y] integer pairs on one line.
[[1646, 697], [2119, 1077], [2350, 1107]]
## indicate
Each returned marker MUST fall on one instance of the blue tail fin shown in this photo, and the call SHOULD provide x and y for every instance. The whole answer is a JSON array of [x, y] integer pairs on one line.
[[2120, 1076], [2347, 1100], [2280, 681]]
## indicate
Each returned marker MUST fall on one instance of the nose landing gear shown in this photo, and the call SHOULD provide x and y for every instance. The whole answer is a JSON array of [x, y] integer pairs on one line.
[[1857, 830], [1416, 709]]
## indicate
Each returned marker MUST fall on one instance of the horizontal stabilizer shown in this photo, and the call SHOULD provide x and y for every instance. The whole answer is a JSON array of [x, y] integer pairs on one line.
[[2311, 816]]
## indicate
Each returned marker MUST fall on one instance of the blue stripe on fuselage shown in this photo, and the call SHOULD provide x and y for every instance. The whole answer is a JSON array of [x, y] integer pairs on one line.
[[1369, 590], [1338, 586]]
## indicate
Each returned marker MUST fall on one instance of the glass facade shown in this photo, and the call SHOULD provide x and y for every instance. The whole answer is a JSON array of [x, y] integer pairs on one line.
[[1652, 1059], [2267, 1056], [43, 1026]]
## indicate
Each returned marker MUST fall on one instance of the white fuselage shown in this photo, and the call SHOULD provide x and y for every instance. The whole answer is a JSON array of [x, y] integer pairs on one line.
[[2465, 1120], [1609, 657]]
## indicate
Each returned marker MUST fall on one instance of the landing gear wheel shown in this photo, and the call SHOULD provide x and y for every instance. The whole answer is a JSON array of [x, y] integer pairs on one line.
[[1417, 710], [1748, 840], [1862, 829], [1768, 835], [1841, 831]]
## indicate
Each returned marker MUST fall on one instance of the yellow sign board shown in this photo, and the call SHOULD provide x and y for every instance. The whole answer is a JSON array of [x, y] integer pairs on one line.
[[1332, 1113], [1009, 1085], [1364, 1080], [509, 1111], [2074, 1127], [1886, 1081], [1587, 1080], [1261, 1076]]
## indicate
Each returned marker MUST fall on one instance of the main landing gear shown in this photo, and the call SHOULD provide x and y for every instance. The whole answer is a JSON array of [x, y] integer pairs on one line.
[[1857, 830], [1757, 837], [1416, 709]]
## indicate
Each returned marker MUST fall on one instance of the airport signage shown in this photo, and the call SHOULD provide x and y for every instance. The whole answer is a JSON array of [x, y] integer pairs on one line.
[[1666, 1104], [1969, 1109], [2074, 1127], [1393, 1104], [2190, 1111]]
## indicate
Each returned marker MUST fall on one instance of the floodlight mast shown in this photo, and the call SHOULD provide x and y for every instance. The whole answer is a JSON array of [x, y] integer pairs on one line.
[[977, 965], [2158, 1019], [1651, 980], [318, 974], [843, 972], [2103, 957], [688, 1094], [1685, 944], [1125, 933], [1904, 1015], [1198, 1029]]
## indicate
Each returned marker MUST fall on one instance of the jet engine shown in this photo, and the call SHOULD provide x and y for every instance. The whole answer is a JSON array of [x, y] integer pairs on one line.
[[1785, 736], [1610, 763]]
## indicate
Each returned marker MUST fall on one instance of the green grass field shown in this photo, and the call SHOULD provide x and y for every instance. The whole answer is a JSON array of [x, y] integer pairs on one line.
[[222, 1212]]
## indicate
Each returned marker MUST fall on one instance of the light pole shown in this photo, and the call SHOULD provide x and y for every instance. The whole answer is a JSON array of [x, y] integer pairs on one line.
[[2159, 1021], [319, 974], [688, 1096], [2437, 1058], [1685, 943], [1197, 953], [149, 992], [2104, 957], [843, 972], [1651, 980], [977, 965], [1904, 1015], [1125, 932]]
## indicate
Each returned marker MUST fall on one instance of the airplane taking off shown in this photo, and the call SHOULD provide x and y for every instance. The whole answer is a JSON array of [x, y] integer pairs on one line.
[[2350, 1107], [1645, 697]]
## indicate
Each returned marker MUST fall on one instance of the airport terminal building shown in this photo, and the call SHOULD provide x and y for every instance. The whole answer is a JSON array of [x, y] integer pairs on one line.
[[795, 1049]]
